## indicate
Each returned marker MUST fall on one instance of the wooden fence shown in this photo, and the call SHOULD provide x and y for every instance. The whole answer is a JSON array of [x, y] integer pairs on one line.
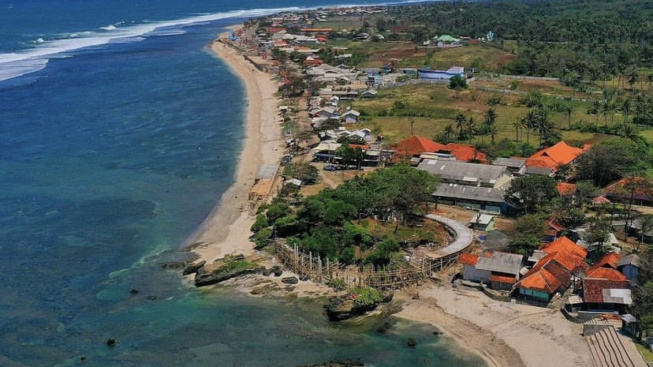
[[321, 270]]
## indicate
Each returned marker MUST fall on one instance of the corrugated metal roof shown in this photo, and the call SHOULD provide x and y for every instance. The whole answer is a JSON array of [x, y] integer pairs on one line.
[[455, 191], [501, 262], [510, 162], [455, 170]]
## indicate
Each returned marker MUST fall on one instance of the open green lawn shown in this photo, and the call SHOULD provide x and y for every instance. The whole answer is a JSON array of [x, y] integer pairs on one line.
[[433, 106], [477, 56]]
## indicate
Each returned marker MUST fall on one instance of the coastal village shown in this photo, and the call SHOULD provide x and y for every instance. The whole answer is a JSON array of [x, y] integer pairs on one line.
[[408, 173]]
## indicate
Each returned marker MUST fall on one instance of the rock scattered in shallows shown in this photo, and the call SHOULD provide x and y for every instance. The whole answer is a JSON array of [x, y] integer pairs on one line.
[[152, 298], [345, 363], [411, 342], [437, 332], [277, 270], [133, 291], [111, 342], [290, 280], [192, 268], [384, 329], [82, 359]]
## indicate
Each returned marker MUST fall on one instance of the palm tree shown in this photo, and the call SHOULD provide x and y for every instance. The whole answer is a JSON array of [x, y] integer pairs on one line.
[[490, 117], [529, 122], [471, 127], [517, 125], [626, 107], [628, 132], [569, 110], [448, 131], [461, 121], [493, 132]]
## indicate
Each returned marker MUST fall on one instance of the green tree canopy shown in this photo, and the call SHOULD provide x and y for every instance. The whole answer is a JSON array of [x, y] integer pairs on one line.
[[532, 192]]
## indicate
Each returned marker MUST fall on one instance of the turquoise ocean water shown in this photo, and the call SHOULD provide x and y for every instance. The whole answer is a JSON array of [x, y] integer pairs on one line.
[[117, 137]]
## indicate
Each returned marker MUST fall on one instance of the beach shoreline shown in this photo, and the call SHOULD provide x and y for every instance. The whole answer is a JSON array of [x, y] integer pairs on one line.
[[226, 230]]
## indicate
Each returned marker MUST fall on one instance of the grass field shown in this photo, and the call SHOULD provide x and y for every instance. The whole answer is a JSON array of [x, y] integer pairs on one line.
[[433, 106]]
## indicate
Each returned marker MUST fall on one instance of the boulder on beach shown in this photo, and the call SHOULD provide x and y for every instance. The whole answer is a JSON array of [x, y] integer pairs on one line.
[[290, 280], [227, 271]]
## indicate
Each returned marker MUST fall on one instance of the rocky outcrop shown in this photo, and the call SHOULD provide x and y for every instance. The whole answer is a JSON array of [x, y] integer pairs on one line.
[[193, 268], [290, 280], [345, 307], [225, 272]]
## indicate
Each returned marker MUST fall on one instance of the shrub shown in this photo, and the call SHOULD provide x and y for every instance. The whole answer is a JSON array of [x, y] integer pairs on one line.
[[262, 238], [366, 297], [260, 223]]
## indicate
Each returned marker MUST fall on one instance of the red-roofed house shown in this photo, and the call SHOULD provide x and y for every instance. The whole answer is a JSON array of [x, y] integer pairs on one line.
[[417, 145], [414, 147], [464, 152], [606, 268], [566, 189], [554, 272], [606, 295], [554, 157], [639, 188]]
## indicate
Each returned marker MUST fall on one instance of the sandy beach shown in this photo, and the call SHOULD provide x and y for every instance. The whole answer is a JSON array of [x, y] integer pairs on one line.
[[502, 334], [227, 229]]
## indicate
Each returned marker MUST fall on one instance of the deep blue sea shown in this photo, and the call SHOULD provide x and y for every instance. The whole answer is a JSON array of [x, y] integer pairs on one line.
[[119, 131]]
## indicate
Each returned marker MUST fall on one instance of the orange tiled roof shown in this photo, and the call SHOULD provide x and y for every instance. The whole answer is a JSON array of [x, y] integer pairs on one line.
[[555, 156], [564, 244], [416, 145], [566, 189], [554, 271], [503, 279], [549, 278], [642, 190], [606, 273], [468, 259], [608, 260], [593, 288], [363, 147], [464, 152]]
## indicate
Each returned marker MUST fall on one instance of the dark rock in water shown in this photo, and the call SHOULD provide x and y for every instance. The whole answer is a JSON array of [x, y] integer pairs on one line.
[[346, 363], [437, 332], [133, 291], [193, 268], [290, 280], [342, 308], [152, 298], [277, 270], [173, 265], [225, 272], [384, 329], [111, 342], [82, 359], [411, 342]]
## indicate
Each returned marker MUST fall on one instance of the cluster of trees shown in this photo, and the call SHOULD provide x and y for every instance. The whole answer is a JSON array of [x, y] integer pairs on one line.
[[326, 222], [576, 40]]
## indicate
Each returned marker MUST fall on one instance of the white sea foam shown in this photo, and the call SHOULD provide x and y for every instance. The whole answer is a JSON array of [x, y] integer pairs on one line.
[[39, 40], [13, 65]]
